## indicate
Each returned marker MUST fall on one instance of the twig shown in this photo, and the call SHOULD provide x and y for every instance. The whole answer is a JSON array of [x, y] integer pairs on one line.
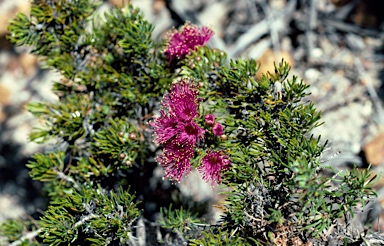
[[339, 159], [68, 179], [350, 28], [259, 49], [371, 90], [343, 12], [310, 33], [28, 236], [84, 219], [273, 31], [280, 18]]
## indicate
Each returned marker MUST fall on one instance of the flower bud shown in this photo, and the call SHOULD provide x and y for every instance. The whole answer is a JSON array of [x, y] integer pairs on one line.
[[209, 119], [217, 129], [122, 155], [132, 136]]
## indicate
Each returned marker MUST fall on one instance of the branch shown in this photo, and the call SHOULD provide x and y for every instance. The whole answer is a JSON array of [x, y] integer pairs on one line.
[[280, 19], [84, 219], [68, 179], [29, 236], [366, 79]]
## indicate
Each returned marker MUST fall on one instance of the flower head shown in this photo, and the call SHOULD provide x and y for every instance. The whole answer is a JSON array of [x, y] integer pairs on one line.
[[182, 101], [217, 129], [176, 161], [212, 164], [176, 129], [180, 43], [209, 119]]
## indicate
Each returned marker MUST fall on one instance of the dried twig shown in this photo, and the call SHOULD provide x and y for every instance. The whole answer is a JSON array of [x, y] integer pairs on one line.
[[345, 27], [259, 49], [371, 90], [310, 33], [279, 23], [273, 32], [29, 236]]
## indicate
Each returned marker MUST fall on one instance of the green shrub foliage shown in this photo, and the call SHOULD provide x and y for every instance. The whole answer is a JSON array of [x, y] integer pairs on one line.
[[114, 78]]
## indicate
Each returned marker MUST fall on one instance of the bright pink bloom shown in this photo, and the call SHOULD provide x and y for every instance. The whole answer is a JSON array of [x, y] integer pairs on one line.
[[217, 129], [182, 101], [176, 161], [190, 133], [181, 42], [165, 128], [176, 129], [176, 122], [212, 164], [209, 119]]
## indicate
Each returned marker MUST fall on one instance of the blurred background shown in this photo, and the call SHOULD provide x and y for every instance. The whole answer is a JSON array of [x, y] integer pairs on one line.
[[336, 46]]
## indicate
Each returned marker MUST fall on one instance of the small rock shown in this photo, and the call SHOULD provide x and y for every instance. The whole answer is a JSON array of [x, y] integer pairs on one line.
[[28, 63], [2, 115], [157, 6], [4, 94], [317, 53], [8, 11], [119, 3], [312, 74], [354, 41], [277, 4], [374, 150], [214, 16], [268, 59], [9, 207]]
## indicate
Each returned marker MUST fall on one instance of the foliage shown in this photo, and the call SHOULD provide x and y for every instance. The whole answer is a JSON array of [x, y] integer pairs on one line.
[[97, 178]]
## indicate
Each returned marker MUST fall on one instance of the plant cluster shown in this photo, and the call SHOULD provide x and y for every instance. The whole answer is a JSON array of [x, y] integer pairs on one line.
[[127, 101]]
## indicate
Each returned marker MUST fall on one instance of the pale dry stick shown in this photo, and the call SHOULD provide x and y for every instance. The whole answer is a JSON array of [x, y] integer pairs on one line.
[[380, 194], [274, 34], [310, 33], [280, 20], [371, 91], [375, 239], [259, 49], [67, 178], [29, 236], [340, 159], [345, 27], [343, 12]]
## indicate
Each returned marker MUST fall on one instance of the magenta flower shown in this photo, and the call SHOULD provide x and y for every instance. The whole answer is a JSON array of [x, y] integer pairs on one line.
[[176, 161], [217, 129], [181, 42], [176, 129], [209, 119], [212, 164], [182, 101]]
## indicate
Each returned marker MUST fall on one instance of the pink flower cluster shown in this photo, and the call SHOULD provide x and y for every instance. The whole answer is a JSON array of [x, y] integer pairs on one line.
[[176, 129], [179, 134], [180, 43]]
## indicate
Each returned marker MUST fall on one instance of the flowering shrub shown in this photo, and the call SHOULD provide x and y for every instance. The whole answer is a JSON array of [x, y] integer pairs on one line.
[[122, 92]]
